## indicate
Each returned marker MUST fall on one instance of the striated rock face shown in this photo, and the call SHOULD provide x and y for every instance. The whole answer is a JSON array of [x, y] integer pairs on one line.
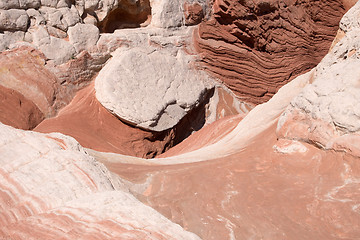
[[255, 47], [95, 127], [249, 184], [224, 168], [327, 112], [79, 199]]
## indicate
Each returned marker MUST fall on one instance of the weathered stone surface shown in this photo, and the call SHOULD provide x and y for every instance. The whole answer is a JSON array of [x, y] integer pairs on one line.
[[170, 14], [22, 4], [245, 43], [13, 20], [150, 89], [61, 18], [193, 13], [58, 50], [35, 17], [83, 36], [8, 38], [79, 72], [56, 3], [270, 183], [23, 71], [17, 111], [330, 106], [104, 132], [76, 185], [265, 188]]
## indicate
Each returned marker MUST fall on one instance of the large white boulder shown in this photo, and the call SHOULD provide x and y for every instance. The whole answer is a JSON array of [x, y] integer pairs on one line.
[[151, 88]]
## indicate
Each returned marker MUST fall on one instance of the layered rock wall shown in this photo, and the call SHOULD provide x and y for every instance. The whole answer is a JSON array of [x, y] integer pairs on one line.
[[255, 47]]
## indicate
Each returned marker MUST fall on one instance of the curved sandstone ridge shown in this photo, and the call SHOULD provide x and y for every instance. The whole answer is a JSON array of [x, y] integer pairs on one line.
[[96, 128], [79, 199], [285, 169], [255, 47]]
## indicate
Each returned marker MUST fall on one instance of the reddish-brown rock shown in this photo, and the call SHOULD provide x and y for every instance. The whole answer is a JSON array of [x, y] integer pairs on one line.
[[193, 13], [206, 136], [23, 70], [255, 47], [257, 193], [17, 111], [94, 127]]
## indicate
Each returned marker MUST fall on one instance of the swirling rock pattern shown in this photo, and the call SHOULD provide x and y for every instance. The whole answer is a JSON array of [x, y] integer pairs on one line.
[[255, 47], [79, 199]]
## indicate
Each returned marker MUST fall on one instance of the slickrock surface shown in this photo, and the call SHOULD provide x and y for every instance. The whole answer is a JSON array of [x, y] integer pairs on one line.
[[327, 112], [79, 199], [249, 184], [284, 169], [256, 193], [94, 127], [255, 47]]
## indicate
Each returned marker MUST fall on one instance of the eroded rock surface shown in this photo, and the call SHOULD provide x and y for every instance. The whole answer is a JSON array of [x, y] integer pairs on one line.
[[18, 111], [328, 110], [255, 47], [240, 172], [79, 197], [23, 71], [151, 88]]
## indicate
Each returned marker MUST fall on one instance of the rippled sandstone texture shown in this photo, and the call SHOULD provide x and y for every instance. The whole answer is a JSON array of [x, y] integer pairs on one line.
[[251, 175], [255, 47], [327, 112]]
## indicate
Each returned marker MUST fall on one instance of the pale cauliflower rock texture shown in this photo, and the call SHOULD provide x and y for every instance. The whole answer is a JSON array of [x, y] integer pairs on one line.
[[150, 89]]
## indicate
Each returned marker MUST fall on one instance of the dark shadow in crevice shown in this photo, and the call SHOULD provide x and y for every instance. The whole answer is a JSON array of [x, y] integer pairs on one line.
[[127, 15]]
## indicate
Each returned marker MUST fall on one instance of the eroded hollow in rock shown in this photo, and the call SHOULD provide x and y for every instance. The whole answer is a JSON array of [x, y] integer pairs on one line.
[[127, 15]]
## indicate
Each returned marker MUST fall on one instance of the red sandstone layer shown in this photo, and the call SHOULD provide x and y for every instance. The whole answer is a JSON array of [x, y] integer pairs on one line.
[[255, 47], [94, 127], [17, 111], [258, 193]]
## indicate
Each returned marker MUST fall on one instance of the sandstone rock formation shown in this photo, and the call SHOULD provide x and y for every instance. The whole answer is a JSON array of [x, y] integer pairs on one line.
[[79, 197], [18, 111], [255, 47], [327, 112], [148, 79], [23, 70], [136, 87]]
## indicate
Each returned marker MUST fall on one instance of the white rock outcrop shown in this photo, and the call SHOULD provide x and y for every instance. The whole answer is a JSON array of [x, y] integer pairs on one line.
[[151, 88], [83, 36], [47, 177], [170, 14], [329, 108], [19, 4]]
